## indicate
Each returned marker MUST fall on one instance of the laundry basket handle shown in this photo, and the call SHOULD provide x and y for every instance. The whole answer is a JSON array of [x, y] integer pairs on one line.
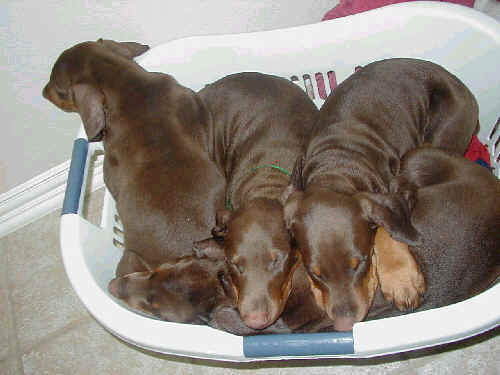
[[299, 344], [76, 177]]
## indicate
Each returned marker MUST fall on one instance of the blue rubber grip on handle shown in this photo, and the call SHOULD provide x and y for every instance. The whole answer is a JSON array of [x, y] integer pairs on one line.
[[298, 344], [75, 177]]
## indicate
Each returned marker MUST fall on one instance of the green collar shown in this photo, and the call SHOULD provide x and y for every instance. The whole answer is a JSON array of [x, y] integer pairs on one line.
[[229, 205]]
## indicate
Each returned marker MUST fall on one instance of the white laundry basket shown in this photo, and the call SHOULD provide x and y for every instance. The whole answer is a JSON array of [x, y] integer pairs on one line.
[[464, 41]]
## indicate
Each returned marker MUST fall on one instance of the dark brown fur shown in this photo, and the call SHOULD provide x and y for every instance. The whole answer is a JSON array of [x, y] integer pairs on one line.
[[366, 125], [457, 217], [155, 135]]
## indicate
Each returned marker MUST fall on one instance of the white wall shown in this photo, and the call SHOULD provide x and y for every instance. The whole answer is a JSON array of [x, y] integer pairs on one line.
[[35, 135]]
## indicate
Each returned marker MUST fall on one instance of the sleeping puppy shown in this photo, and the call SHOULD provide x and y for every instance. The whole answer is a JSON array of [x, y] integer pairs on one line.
[[185, 290], [197, 290], [260, 124], [457, 217], [364, 128], [155, 136]]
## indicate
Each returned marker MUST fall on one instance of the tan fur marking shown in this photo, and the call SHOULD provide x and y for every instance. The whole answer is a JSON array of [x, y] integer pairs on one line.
[[401, 280]]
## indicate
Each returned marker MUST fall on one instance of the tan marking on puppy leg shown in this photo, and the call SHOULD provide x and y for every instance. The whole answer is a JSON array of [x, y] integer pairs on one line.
[[366, 291], [400, 278]]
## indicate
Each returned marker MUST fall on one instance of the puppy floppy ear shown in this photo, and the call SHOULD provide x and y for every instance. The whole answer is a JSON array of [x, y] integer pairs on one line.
[[125, 49], [392, 212], [209, 248], [221, 219], [90, 104]]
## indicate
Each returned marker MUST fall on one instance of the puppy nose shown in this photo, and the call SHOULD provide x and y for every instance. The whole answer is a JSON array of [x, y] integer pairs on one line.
[[344, 323], [114, 287], [256, 319], [45, 91]]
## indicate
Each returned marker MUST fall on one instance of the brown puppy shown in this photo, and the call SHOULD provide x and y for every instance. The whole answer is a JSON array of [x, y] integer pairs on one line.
[[155, 136], [366, 125], [260, 124], [457, 217], [196, 290], [186, 290]]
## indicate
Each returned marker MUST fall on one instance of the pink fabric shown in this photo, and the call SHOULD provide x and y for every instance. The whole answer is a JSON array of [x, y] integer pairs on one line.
[[349, 7]]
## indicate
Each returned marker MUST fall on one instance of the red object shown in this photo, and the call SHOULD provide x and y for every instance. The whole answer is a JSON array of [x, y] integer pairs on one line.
[[478, 152], [349, 7]]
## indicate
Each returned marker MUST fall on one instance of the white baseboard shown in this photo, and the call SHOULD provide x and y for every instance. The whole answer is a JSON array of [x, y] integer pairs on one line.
[[39, 196]]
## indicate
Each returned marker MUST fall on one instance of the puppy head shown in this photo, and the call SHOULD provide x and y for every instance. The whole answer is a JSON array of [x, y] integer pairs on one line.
[[74, 86], [184, 292], [336, 243], [261, 259], [335, 234]]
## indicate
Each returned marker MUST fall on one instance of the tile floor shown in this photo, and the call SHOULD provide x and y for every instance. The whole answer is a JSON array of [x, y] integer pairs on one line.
[[45, 329]]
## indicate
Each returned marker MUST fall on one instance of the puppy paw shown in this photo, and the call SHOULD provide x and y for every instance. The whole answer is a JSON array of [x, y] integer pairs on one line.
[[400, 279], [404, 288]]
